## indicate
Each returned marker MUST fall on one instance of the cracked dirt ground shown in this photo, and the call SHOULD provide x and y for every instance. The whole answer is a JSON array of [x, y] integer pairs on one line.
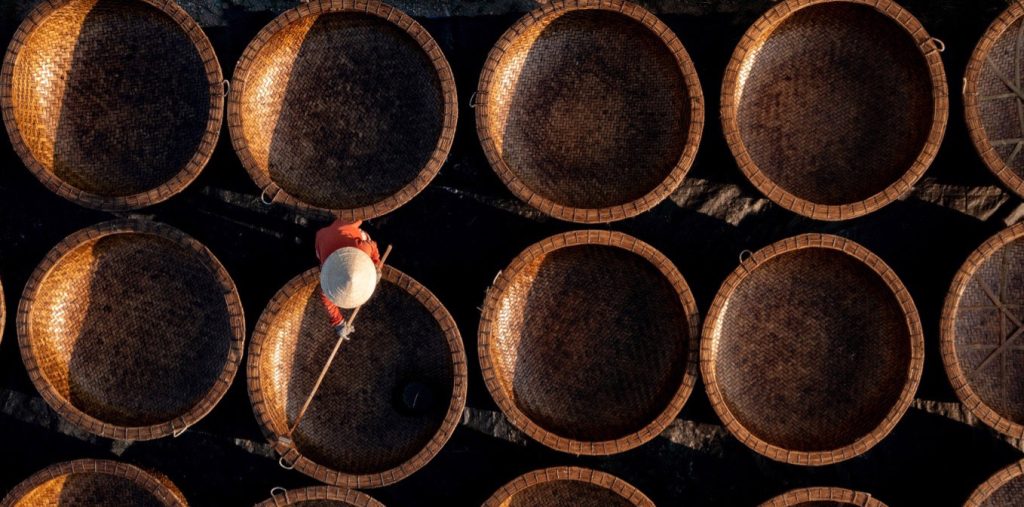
[[466, 226]]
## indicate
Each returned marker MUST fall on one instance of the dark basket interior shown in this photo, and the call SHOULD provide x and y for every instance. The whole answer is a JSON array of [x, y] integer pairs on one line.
[[356, 424], [812, 350], [342, 109], [589, 109], [998, 105], [559, 493], [111, 97], [835, 103], [132, 329], [590, 342]]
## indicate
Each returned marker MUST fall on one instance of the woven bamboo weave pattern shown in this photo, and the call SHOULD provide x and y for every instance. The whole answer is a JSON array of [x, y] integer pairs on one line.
[[590, 111], [355, 433], [319, 496], [823, 497], [87, 483], [834, 108], [983, 332], [112, 104], [588, 340], [131, 330], [559, 486], [1004, 489], [812, 350], [344, 107], [994, 100]]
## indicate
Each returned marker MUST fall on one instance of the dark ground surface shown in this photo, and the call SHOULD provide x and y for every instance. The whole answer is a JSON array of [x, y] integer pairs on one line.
[[466, 226]]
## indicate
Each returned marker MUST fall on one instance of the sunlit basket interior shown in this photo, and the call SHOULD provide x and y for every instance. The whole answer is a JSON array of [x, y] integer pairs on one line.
[[94, 483], [112, 104]]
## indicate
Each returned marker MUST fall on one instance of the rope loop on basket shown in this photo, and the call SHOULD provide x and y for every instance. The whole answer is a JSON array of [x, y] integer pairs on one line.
[[472, 100], [227, 87], [939, 45], [278, 491], [264, 199], [745, 255], [176, 431], [283, 461]]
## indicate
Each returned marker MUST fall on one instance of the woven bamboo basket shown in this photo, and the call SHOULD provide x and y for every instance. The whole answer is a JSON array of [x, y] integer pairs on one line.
[[590, 110], [992, 98], [343, 105], [560, 486], [356, 433], [89, 482], [131, 330], [823, 497], [1004, 489], [835, 108], [584, 302], [812, 350], [112, 104], [318, 496], [981, 325]]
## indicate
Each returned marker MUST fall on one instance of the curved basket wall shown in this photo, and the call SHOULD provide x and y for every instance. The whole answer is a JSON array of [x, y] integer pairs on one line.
[[812, 350], [319, 496], [113, 105], [992, 98], [580, 303], [1005, 488], [94, 482], [823, 497], [590, 111], [355, 433], [552, 487], [131, 330], [835, 108], [979, 321], [343, 106]]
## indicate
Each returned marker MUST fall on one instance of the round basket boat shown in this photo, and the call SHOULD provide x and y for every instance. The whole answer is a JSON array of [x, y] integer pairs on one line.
[[993, 98], [318, 496], [558, 486], [94, 482], [823, 497], [812, 350], [112, 104], [1004, 489], [584, 302], [347, 106], [131, 330], [983, 332], [357, 432], [835, 108], [590, 110]]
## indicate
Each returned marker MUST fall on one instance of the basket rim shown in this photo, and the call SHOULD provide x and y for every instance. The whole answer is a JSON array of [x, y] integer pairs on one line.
[[669, 184], [505, 399], [72, 413], [150, 483], [972, 114], [290, 452], [763, 28], [802, 495], [569, 473], [165, 190], [708, 349], [369, 7], [298, 495], [947, 333], [990, 486]]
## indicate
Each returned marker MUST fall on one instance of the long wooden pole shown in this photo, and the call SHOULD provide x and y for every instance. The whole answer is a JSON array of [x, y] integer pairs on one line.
[[330, 359]]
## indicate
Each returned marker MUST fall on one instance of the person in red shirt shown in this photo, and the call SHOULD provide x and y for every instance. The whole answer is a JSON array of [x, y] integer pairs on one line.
[[341, 235]]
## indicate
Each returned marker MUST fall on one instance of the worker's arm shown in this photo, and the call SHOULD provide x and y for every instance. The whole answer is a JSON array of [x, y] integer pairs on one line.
[[333, 312]]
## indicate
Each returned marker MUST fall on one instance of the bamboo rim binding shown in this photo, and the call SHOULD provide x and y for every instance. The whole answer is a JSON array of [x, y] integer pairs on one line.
[[565, 477], [104, 416], [808, 496], [33, 129], [157, 487], [248, 137], [993, 487], [980, 64], [830, 448], [492, 116], [281, 497], [738, 73]]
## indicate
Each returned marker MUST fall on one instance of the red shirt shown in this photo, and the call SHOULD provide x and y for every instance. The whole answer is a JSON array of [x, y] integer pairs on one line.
[[341, 234]]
